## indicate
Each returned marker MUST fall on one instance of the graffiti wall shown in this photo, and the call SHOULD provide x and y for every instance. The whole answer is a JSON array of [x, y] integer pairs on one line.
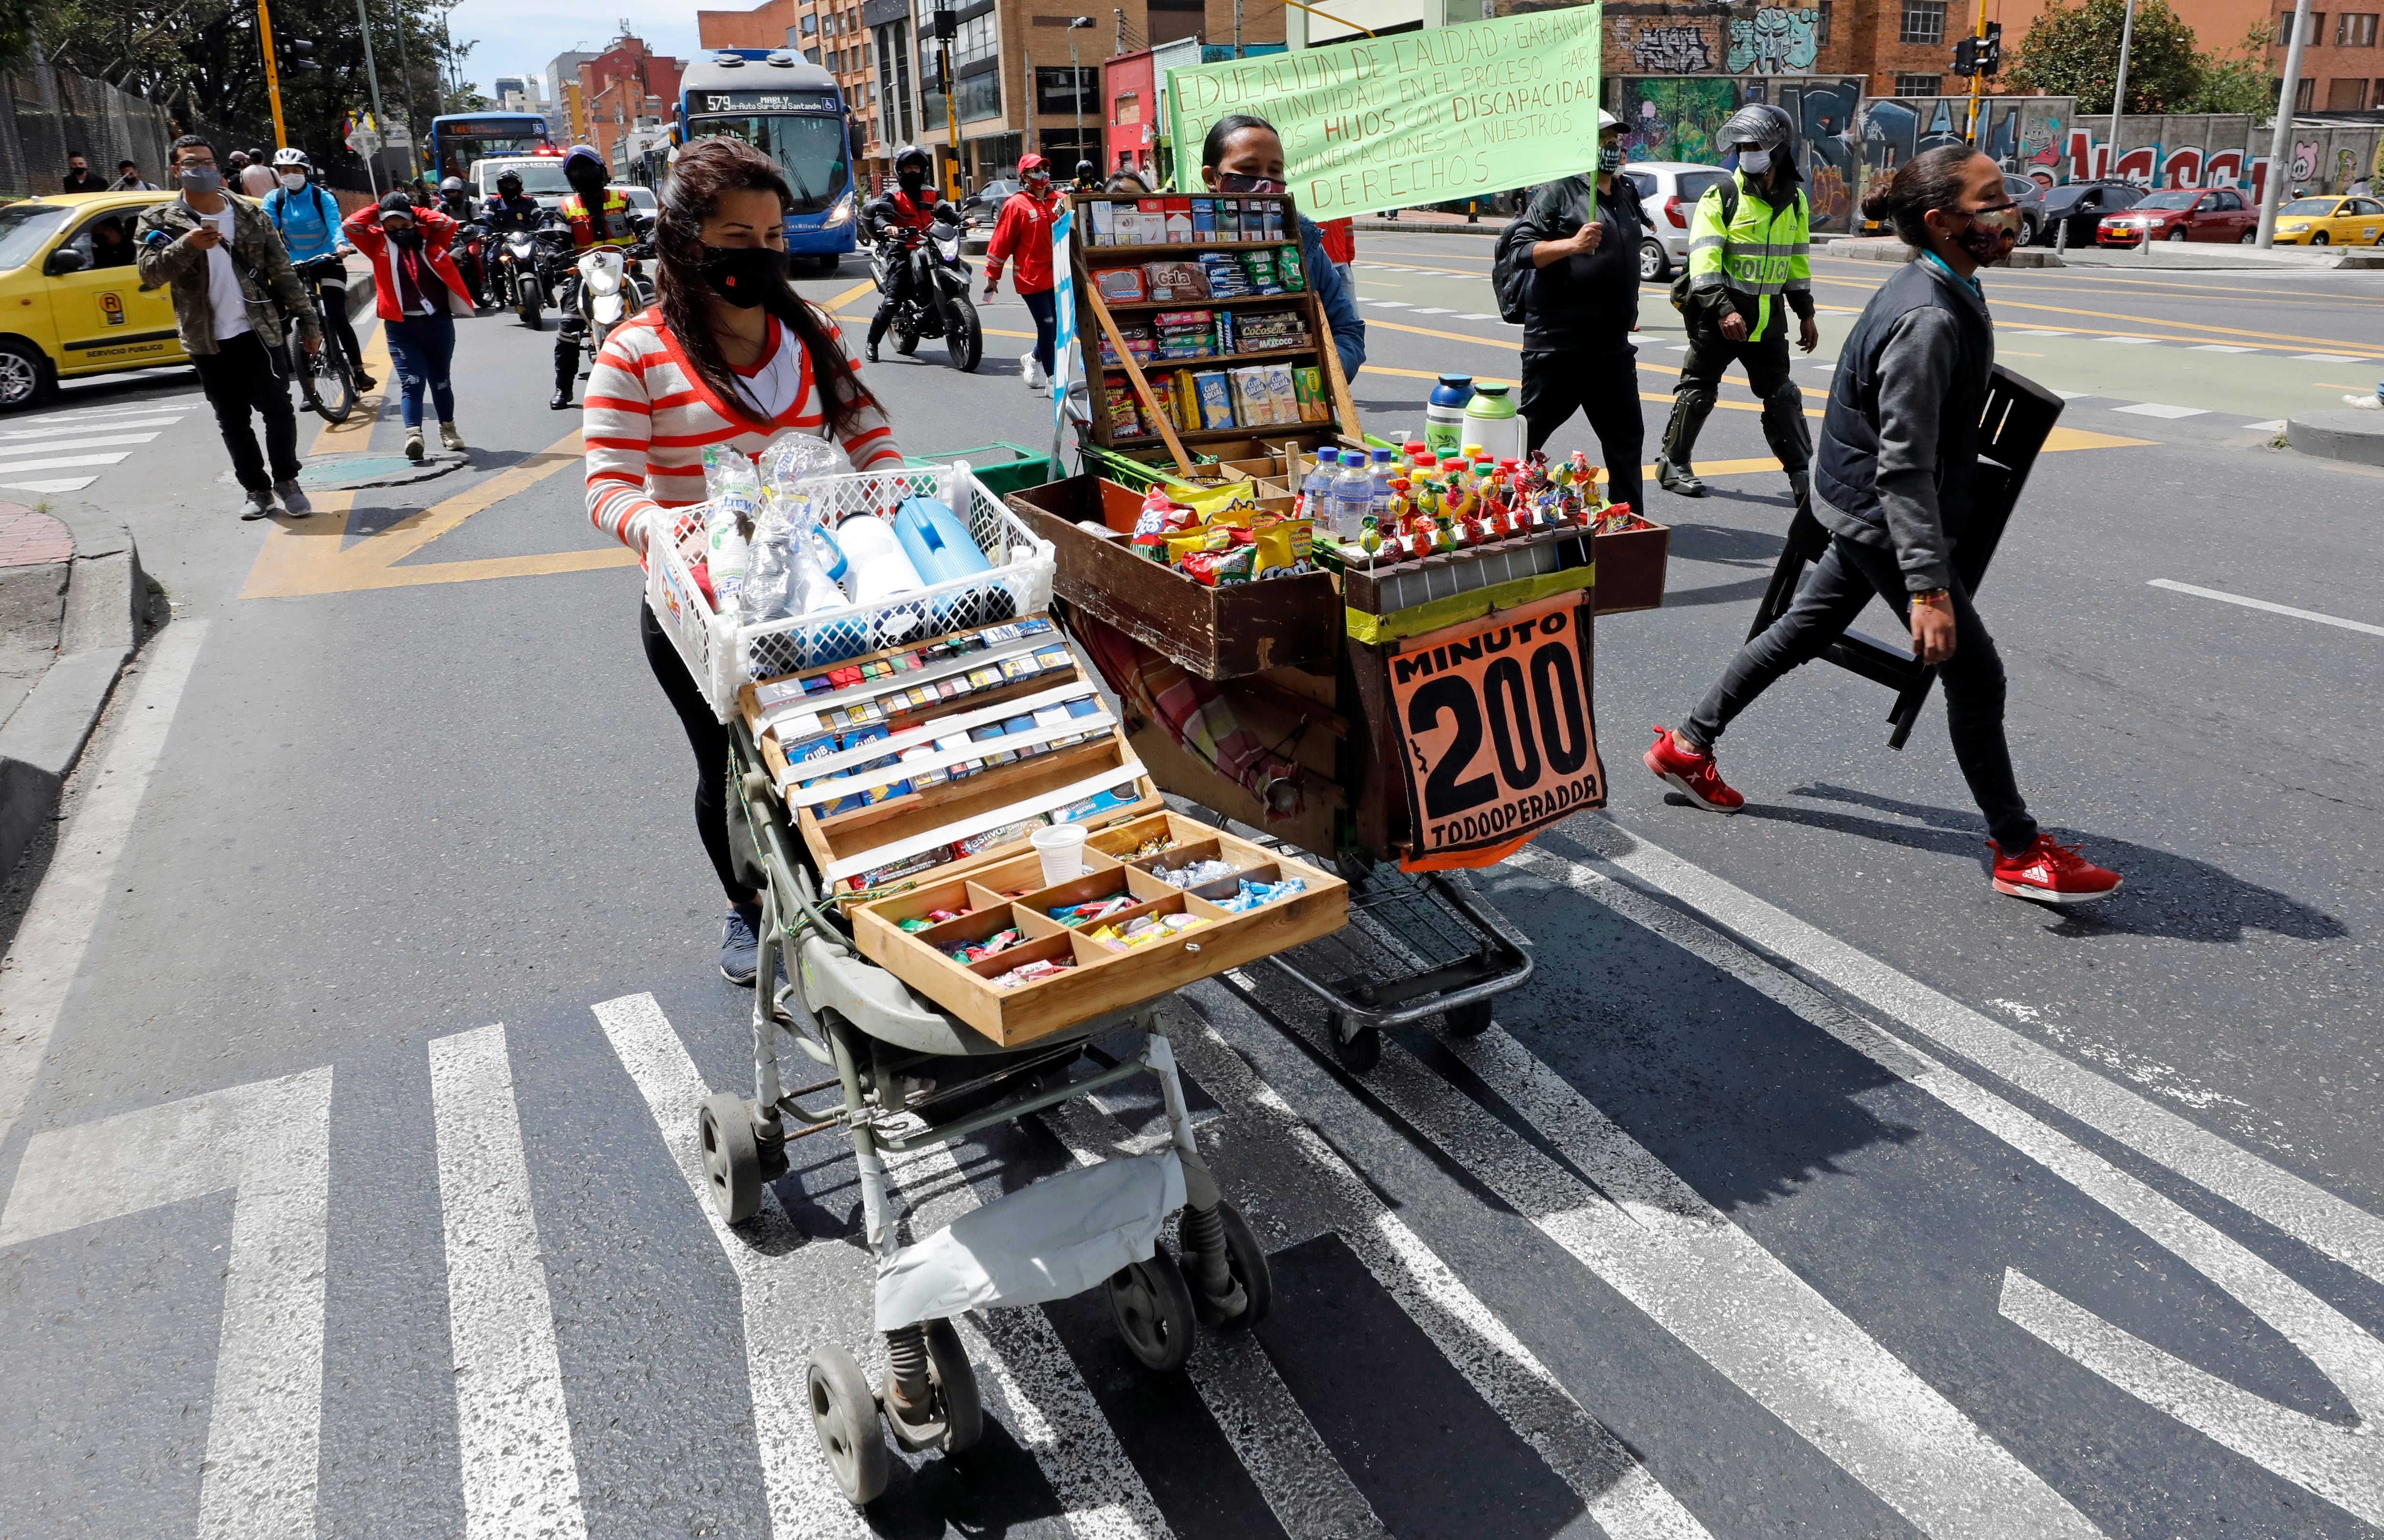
[[1654, 37], [1669, 118], [2210, 150]]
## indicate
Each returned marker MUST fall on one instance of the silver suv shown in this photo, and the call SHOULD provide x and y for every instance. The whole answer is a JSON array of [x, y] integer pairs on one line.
[[1669, 189]]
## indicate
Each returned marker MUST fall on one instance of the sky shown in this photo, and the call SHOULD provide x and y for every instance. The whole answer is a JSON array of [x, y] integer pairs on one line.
[[517, 37]]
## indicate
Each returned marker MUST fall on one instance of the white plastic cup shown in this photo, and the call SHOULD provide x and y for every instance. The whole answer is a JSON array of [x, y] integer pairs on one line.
[[1062, 849]]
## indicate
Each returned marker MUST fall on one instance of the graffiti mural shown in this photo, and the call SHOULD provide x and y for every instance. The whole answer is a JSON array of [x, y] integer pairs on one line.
[[1774, 41], [1667, 48], [1679, 119], [1671, 119], [2208, 150]]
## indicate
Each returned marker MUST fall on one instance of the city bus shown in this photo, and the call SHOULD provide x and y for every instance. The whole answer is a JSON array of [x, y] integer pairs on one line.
[[790, 109], [458, 140]]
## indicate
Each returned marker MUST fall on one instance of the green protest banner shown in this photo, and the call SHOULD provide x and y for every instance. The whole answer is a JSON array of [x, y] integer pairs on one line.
[[1416, 117]]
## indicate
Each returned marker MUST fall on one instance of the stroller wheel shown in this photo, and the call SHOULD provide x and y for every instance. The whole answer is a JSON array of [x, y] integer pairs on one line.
[[1247, 1259], [1152, 1305], [732, 1164], [1359, 1051], [1469, 1021], [955, 1381], [844, 1414]]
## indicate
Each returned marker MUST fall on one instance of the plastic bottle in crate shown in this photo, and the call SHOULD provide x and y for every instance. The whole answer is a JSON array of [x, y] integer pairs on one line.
[[877, 573]]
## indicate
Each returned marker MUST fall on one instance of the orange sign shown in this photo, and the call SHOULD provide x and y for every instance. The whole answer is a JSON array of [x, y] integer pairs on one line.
[[112, 306], [1495, 728]]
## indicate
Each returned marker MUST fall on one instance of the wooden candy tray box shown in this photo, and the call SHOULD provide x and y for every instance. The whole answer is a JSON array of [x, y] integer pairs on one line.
[[1007, 893]]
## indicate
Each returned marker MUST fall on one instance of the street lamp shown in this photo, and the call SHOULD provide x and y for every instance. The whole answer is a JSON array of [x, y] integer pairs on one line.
[[1076, 78]]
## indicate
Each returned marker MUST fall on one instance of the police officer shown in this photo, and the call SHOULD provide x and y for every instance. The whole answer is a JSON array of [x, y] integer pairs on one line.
[[598, 215], [902, 214], [509, 210], [1748, 254]]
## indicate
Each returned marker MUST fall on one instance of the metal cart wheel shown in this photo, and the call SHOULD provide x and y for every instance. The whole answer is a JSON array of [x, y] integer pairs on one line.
[[732, 1162], [1470, 1020], [1359, 1051], [844, 1414], [1247, 1260], [955, 1381], [1152, 1305]]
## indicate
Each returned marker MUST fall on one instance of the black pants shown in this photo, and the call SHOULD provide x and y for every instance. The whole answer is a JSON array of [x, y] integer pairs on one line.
[[709, 739], [570, 329], [1045, 308], [1835, 593], [331, 300], [1710, 353], [1606, 390], [239, 378], [903, 276]]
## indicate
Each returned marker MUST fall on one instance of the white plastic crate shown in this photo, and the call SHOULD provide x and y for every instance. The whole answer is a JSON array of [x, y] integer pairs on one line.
[[724, 656]]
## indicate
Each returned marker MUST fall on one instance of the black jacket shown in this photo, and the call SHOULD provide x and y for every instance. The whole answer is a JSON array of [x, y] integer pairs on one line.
[[1586, 304], [1899, 453]]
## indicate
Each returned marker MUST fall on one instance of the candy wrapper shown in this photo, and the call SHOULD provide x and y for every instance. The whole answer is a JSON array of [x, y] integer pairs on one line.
[[1034, 972]]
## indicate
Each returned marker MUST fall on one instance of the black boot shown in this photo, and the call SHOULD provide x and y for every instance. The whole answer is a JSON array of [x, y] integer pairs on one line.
[[1790, 438], [1690, 409], [565, 366]]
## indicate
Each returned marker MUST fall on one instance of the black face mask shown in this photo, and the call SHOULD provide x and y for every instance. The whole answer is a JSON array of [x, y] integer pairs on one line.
[[911, 180], [405, 237], [744, 276], [590, 188]]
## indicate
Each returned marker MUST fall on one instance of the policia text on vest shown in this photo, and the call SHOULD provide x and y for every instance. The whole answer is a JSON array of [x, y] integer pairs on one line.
[[1748, 271]]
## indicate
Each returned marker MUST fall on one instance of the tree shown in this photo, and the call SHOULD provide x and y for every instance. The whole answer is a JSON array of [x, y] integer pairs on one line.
[[2241, 81], [15, 33], [2075, 52]]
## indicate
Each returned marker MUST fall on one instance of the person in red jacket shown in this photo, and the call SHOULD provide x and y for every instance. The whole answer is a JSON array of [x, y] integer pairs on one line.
[[418, 293], [1024, 231], [1340, 244]]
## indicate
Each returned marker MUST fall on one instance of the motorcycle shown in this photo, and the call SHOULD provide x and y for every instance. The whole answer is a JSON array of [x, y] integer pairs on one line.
[[938, 304], [611, 291], [468, 250], [515, 279]]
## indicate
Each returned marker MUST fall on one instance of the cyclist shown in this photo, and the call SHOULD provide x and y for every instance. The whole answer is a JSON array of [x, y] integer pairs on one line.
[[307, 220], [456, 202], [901, 212], [599, 215]]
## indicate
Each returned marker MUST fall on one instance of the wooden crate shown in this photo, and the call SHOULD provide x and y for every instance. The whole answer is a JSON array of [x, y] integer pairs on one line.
[[1218, 633], [1631, 568], [1004, 894]]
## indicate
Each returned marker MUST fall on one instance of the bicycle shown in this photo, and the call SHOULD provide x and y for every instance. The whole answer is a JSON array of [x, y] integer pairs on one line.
[[328, 380]]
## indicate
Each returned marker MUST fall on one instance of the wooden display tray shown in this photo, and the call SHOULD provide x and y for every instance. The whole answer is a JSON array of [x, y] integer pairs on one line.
[[1630, 567], [1102, 980], [1218, 633]]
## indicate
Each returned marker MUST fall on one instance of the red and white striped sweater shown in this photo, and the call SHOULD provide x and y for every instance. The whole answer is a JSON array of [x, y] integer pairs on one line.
[[649, 415]]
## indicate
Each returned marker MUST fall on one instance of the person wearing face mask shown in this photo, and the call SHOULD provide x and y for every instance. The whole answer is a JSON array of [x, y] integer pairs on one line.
[[418, 293], [730, 357], [1580, 242], [599, 215], [1024, 231], [307, 220], [219, 257], [1897, 474], [1747, 259], [900, 214], [1243, 153]]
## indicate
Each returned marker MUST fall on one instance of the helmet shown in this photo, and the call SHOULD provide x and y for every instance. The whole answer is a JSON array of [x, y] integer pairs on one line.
[[1083, 168], [583, 164], [910, 157], [292, 156], [506, 179], [1758, 123], [453, 187]]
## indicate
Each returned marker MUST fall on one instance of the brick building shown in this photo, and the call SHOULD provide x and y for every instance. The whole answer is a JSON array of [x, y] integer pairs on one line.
[[621, 91]]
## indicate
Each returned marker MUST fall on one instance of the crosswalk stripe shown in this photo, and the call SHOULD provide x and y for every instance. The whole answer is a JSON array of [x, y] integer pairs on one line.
[[127, 408], [512, 1430], [13, 467], [1476, 315], [62, 484], [112, 424], [47, 446], [1627, 1502]]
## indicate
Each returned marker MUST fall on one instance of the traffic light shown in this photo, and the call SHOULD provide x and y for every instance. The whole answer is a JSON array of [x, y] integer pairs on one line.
[[1990, 57], [1966, 56], [948, 25], [301, 57]]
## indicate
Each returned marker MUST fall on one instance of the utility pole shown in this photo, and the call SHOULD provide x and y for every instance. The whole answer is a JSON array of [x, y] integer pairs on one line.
[[2280, 145], [405, 77], [272, 73], [2120, 91], [1077, 80], [947, 25], [1977, 77]]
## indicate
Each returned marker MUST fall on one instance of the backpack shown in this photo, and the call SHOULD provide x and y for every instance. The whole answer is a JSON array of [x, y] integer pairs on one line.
[[1510, 271]]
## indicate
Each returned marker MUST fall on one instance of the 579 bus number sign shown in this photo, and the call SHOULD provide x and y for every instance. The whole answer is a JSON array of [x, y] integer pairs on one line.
[[1495, 728]]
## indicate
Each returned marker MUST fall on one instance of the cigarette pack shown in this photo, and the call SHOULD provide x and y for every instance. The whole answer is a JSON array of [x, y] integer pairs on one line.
[[1204, 220], [1103, 221], [1179, 222], [1153, 223], [963, 849], [1119, 285], [1271, 213], [1229, 219]]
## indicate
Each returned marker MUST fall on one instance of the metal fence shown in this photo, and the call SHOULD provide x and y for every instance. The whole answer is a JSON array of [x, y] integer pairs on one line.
[[49, 114]]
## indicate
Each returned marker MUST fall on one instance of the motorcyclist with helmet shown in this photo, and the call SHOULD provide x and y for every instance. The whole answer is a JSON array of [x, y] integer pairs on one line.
[[307, 219], [509, 211], [902, 214], [599, 217], [456, 202]]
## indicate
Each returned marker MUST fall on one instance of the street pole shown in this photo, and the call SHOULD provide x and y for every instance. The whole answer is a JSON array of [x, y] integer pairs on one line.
[[2280, 145], [1977, 77], [2120, 91], [951, 122], [1237, 27], [1076, 78], [272, 74], [406, 78]]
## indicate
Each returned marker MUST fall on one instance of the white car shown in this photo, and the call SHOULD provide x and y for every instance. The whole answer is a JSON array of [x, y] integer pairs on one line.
[[1669, 189]]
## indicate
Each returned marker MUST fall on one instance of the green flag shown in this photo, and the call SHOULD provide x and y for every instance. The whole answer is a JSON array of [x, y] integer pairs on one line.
[[1416, 117]]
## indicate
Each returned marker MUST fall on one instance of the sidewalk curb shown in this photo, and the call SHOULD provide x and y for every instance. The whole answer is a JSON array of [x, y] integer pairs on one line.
[[2347, 433], [106, 594], [1413, 226]]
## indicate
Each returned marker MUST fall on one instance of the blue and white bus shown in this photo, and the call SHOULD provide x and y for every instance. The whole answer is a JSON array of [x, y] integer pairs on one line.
[[791, 109], [460, 139]]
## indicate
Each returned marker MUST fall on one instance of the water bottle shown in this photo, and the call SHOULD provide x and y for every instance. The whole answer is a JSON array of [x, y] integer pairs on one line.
[[1379, 504], [1316, 490], [1443, 414], [1353, 498]]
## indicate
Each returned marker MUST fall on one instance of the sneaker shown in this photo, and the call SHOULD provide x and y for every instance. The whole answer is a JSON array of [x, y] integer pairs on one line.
[[293, 499], [255, 504], [1693, 776], [1032, 372], [413, 444], [450, 436], [741, 948], [2051, 874], [365, 383]]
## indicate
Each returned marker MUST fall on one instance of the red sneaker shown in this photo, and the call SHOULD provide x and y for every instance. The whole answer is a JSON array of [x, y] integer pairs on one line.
[[1692, 775], [2051, 874]]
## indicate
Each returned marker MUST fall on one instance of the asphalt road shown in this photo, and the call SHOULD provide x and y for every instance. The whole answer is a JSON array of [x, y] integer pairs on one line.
[[353, 1035]]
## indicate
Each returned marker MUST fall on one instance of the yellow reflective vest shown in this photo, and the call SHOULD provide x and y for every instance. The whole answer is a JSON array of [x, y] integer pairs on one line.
[[1760, 251]]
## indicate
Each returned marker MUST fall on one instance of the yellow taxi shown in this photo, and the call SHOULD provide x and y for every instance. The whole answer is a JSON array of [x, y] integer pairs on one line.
[[2330, 221], [72, 304]]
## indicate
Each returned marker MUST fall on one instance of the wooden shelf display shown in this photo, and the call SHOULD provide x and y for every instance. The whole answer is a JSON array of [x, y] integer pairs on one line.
[[1106, 229]]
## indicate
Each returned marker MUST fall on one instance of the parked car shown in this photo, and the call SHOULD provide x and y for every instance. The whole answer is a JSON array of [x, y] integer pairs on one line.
[[2029, 193], [2081, 206], [2330, 221], [80, 309], [984, 205], [1669, 189], [2183, 214]]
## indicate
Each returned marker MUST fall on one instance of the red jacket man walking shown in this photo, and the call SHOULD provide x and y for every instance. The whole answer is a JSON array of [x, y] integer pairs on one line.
[[1024, 231]]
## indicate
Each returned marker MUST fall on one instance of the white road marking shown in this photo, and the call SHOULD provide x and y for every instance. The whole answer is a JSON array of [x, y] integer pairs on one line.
[[2328, 358], [270, 1143], [2218, 347], [1434, 310], [128, 408], [2274, 425], [2154, 409], [2130, 341], [16, 468], [67, 484], [48, 949], [1477, 315], [1614, 1489], [2041, 331], [1391, 305], [2073, 395], [111, 424], [2227, 597], [48, 446], [512, 1430]]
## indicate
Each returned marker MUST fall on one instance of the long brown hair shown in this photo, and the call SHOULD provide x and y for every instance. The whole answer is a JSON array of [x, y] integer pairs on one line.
[[704, 171]]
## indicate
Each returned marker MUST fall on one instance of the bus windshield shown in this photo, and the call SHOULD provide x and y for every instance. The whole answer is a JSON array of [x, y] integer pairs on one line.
[[810, 151], [458, 142], [540, 178]]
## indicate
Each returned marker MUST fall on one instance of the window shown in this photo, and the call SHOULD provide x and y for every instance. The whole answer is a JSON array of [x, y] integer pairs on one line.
[[974, 98], [1129, 109], [2304, 94], [812, 56], [2355, 31], [810, 26], [1919, 85], [1055, 91], [2285, 27], [1924, 22], [977, 39], [1821, 33], [2230, 203], [2345, 95]]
